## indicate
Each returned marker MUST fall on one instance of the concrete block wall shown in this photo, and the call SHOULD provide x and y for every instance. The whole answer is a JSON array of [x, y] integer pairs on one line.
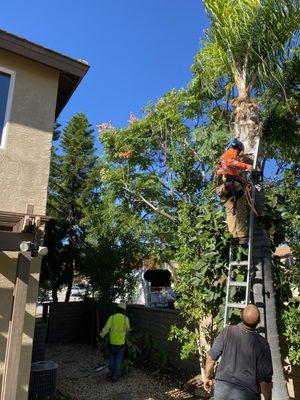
[[75, 322], [69, 322], [157, 322]]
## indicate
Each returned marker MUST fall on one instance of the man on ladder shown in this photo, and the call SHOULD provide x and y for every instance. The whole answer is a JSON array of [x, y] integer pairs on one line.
[[232, 188]]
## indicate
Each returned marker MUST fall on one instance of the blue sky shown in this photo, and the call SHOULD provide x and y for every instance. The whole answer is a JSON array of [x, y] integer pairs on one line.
[[137, 49]]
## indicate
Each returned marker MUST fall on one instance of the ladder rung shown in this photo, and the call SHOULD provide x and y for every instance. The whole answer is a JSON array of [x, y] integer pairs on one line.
[[238, 263], [236, 305], [236, 283]]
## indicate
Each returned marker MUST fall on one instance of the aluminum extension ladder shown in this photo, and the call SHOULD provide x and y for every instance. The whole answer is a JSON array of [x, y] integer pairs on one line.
[[235, 265]]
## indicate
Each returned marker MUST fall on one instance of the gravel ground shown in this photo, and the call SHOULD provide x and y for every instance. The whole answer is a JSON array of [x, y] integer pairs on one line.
[[77, 381]]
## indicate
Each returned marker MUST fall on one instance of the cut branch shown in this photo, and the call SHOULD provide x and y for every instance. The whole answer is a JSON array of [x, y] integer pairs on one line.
[[158, 210]]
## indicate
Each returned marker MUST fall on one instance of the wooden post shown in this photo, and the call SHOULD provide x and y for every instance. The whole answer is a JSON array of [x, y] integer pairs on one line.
[[16, 327]]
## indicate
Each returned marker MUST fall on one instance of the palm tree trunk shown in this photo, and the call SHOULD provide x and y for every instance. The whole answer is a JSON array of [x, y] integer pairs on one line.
[[246, 124], [264, 298], [248, 130]]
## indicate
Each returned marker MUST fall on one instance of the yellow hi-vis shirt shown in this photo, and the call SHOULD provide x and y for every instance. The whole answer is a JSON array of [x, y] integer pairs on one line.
[[117, 325]]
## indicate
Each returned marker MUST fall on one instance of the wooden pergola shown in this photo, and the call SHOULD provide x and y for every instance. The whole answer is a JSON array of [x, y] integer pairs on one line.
[[14, 229]]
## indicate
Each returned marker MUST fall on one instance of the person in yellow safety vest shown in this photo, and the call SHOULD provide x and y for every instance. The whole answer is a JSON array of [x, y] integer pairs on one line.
[[117, 326]]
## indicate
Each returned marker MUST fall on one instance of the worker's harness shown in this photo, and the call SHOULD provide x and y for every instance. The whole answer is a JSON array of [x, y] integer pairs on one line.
[[231, 188]]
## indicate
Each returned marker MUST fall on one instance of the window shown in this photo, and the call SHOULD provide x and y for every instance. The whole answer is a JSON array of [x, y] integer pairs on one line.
[[6, 81]]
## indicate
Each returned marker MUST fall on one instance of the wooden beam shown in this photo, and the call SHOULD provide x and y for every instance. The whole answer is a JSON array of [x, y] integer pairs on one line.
[[19, 215], [29, 222], [24, 225], [10, 241], [20, 222], [29, 209], [16, 328]]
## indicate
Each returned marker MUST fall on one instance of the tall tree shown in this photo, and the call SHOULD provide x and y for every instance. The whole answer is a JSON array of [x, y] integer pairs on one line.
[[71, 188], [245, 49], [159, 171], [114, 245]]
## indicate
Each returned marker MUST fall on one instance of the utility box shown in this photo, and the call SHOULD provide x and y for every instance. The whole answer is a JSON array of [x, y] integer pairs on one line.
[[35, 85]]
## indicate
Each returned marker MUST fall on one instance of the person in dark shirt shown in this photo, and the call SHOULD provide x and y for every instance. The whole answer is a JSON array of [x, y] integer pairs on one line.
[[245, 369]]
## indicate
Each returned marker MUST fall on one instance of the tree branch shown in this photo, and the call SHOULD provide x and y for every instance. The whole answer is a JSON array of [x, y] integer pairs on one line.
[[158, 210], [200, 160]]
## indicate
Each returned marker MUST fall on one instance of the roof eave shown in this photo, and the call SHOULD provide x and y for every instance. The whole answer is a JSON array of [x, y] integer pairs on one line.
[[69, 68]]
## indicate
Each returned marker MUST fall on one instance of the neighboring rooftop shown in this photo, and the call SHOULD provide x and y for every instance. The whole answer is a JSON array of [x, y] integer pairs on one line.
[[71, 70]]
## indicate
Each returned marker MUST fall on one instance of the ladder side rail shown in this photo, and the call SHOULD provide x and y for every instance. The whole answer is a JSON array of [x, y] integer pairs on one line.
[[251, 227], [227, 297], [250, 252]]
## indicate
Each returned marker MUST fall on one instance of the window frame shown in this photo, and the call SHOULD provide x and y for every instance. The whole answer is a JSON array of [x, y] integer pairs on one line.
[[8, 104]]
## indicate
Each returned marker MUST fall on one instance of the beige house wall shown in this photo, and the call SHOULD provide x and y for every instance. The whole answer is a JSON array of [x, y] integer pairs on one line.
[[24, 161], [24, 174]]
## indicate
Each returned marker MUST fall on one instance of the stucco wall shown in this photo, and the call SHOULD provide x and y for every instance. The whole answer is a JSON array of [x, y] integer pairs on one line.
[[24, 174], [24, 162]]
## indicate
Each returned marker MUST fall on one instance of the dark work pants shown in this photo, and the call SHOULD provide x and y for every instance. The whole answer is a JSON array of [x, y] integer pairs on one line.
[[225, 391], [116, 356]]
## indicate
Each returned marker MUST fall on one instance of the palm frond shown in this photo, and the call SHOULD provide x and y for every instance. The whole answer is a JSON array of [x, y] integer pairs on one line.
[[248, 40]]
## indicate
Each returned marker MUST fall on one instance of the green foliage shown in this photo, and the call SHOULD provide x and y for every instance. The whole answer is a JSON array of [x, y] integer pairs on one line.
[[149, 168], [284, 215], [291, 321], [151, 194], [71, 188], [281, 111], [159, 174], [201, 253], [133, 350], [246, 42], [140, 347]]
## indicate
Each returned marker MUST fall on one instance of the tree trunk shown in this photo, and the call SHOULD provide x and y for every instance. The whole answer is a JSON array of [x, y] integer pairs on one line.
[[200, 351], [248, 130], [70, 280], [264, 298], [246, 124], [54, 293]]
